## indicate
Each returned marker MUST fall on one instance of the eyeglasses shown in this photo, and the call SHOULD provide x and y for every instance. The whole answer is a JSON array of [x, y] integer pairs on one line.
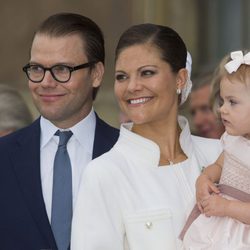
[[60, 72]]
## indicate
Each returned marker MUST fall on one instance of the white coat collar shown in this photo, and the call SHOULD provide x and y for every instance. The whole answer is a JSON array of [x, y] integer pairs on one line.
[[147, 151]]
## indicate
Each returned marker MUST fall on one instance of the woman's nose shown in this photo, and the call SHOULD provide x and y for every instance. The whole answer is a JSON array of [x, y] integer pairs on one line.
[[134, 84]]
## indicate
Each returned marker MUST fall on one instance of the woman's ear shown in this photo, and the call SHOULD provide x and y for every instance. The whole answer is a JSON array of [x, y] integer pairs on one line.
[[97, 74], [181, 78]]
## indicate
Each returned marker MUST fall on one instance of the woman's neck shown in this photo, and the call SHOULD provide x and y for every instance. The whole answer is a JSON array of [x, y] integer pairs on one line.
[[166, 136]]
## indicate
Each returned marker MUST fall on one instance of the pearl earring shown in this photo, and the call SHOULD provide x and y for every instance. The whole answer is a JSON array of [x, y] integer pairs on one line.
[[178, 91]]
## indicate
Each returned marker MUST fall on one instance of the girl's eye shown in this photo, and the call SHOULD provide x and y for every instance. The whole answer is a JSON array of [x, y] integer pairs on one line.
[[220, 101], [120, 77], [147, 73], [232, 102]]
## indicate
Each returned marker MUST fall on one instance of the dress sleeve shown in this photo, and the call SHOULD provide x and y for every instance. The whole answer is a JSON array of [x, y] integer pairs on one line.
[[224, 139], [229, 142], [97, 221]]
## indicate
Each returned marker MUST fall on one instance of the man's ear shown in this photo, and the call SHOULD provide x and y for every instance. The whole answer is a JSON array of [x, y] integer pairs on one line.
[[97, 74], [181, 78]]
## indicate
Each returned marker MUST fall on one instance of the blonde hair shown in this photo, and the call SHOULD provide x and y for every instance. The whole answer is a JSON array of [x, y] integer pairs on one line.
[[242, 75], [218, 74]]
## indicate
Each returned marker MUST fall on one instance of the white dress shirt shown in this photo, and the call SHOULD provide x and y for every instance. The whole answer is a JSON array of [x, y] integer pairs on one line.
[[79, 146], [126, 201]]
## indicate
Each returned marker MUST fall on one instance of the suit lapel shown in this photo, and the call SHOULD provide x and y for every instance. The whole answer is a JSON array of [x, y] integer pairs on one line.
[[26, 162]]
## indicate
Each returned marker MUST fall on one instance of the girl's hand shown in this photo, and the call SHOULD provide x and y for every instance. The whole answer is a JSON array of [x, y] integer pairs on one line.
[[204, 188], [215, 205]]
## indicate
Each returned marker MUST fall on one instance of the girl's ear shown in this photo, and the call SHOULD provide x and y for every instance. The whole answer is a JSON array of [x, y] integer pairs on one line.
[[181, 78]]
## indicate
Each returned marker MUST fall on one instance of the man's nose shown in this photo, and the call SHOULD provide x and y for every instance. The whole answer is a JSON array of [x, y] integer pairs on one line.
[[48, 80]]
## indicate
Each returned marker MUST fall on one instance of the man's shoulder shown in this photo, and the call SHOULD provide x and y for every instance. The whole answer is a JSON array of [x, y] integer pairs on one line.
[[106, 128], [105, 137]]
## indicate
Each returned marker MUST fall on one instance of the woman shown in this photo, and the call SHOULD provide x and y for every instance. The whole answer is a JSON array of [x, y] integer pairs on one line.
[[137, 195]]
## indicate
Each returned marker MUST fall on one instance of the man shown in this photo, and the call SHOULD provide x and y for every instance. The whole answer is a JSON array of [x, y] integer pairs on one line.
[[205, 122], [37, 198]]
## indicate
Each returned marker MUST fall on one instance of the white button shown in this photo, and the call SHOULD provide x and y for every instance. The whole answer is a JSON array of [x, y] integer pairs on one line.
[[149, 224]]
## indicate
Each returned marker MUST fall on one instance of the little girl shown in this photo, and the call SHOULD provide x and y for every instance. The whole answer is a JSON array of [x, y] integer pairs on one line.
[[224, 222]]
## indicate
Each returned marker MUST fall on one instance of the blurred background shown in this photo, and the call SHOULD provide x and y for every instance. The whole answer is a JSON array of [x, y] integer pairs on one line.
[[210, 29]]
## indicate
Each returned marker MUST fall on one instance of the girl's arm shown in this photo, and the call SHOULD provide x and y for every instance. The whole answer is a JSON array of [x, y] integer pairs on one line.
[[210, 175], [213, 172], [238, 210], [216, 205], [205, 182]]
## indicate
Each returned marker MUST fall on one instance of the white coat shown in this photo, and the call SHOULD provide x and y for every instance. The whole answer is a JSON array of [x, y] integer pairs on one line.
[[126, 201]]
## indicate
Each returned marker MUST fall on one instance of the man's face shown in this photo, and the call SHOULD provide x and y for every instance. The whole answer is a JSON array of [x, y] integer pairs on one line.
[[64, 104], [205, 121]]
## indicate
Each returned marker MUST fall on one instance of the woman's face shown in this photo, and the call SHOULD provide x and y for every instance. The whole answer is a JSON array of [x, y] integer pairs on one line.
[[145, 85]]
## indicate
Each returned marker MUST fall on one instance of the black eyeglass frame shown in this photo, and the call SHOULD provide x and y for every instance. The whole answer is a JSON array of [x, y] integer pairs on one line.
[[70, 68]]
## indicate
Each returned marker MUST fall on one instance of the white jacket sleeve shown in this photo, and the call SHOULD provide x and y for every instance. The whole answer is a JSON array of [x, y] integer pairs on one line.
[[97, 222]]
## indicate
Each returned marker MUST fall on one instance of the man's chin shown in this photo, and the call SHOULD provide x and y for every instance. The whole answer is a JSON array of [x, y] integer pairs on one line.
[[53, 117]]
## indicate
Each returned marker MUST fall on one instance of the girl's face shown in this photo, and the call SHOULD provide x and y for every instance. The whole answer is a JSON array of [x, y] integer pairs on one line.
[[145, 85], [235, 111]]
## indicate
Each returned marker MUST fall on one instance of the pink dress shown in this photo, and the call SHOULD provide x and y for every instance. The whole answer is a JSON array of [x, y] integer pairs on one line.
[[224, 233]]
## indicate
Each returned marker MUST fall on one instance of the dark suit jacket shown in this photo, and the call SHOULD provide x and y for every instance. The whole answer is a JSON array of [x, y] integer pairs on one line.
[[24, 224]]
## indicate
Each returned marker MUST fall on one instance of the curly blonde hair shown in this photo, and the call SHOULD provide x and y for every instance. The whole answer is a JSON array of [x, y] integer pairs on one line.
[[218, 74]]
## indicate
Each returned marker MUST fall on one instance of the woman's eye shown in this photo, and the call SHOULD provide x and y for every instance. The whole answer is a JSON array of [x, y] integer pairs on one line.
[[147, 73], [120, 77]]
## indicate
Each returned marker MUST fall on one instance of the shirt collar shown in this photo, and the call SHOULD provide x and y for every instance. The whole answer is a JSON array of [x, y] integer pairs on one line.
[[83, 131]]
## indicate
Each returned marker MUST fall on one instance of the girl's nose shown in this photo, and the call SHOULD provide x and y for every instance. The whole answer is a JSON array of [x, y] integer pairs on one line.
[[222, 109]]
